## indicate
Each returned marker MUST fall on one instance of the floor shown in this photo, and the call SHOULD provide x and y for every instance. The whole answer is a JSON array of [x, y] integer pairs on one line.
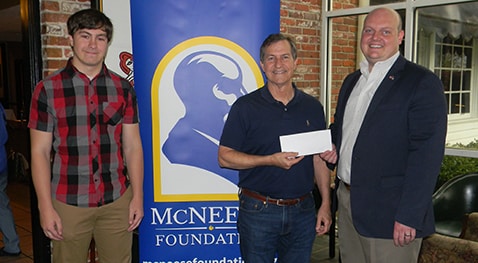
[[320, 250], [19, 194]]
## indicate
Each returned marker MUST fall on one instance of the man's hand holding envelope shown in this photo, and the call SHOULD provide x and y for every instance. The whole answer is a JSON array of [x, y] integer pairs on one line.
[[307, 143]]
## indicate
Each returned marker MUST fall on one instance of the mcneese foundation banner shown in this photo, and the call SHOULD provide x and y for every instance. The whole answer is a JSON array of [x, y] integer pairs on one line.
[[192, 60]]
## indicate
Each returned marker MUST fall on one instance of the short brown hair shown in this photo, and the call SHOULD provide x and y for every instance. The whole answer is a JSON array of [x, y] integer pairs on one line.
[[90, 19], [273, 38]]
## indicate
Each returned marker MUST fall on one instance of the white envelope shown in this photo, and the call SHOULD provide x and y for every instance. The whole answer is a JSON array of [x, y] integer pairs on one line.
[[307, 143]]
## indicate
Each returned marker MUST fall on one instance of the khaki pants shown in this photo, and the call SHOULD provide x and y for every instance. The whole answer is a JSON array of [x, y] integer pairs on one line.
[[107, 224], [355, 248]]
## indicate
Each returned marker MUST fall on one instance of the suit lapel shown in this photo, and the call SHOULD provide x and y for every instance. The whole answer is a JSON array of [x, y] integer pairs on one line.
[[387, 83], [349, 87]]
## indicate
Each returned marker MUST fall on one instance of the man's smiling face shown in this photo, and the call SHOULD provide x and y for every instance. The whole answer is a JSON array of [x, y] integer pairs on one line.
[[381, 36]]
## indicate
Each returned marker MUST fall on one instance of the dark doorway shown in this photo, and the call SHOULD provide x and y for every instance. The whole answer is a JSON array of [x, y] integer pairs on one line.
[[20, 70]]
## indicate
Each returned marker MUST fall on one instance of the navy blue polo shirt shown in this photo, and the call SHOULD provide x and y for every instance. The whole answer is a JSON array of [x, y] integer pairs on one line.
[[253, 126]]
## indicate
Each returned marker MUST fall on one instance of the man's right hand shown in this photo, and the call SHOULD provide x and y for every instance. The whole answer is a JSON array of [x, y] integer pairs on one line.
[[286, 160], [51, 224]]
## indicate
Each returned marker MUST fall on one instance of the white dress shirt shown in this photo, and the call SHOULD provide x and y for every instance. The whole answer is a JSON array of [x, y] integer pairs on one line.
[[356, 108]]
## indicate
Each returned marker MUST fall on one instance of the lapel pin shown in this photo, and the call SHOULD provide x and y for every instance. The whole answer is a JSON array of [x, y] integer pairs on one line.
[[391, 77]]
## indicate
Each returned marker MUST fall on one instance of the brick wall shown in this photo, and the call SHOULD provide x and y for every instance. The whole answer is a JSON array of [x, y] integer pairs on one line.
[[299, 18], [344, 53], [55, 45]]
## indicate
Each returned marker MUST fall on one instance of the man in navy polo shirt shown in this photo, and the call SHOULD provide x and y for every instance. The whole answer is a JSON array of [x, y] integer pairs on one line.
[[277, 211]]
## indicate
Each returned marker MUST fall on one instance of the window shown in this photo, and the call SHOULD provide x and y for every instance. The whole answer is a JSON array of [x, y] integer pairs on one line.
[[450, 33], [442, 36], [454, 68]]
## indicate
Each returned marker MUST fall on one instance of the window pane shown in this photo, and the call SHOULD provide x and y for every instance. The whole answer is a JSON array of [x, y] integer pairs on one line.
[[466, 86], [451, 32], [346, 4], [465, 103], [468, 52], [455, 103], [445, 78], [344, 53], [456, 81]]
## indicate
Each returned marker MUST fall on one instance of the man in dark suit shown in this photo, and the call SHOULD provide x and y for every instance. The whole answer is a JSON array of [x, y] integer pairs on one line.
[[389, 130]]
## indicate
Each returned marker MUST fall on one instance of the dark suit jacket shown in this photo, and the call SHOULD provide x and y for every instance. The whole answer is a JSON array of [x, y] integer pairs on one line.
[[398, 152]]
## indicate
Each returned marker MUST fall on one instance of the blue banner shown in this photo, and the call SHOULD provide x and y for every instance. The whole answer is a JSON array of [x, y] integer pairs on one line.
[[192, 60]]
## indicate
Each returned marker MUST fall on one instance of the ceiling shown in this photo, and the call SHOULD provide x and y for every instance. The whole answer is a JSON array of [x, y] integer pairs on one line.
[[10, 21]]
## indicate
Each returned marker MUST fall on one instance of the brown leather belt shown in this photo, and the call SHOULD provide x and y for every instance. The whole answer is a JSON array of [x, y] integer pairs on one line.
[[279, 202]]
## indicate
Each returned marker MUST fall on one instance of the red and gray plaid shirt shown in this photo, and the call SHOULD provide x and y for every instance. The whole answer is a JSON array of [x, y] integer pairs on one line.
[[86, 120]]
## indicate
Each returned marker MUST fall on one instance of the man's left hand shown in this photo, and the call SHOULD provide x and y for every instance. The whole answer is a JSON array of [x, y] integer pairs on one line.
[[324, 220], [403, 235]]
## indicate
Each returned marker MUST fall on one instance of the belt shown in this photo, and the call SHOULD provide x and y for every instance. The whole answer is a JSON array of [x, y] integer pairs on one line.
[[279, 202]]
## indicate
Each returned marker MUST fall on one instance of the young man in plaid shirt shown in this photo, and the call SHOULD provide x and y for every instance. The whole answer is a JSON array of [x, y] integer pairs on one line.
[[87, 157]]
